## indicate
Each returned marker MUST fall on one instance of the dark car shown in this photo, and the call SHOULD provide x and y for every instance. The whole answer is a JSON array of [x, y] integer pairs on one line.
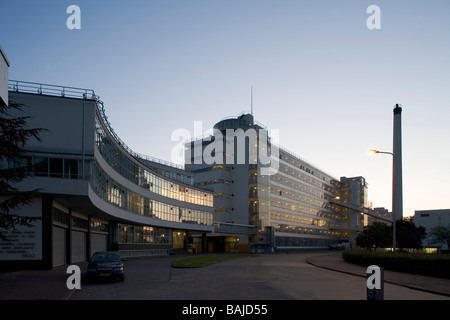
[[105, 265]]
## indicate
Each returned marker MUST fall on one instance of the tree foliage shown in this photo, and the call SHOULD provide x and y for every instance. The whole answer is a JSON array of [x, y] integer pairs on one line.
[[379, 235], [376, 235], [14, 168], [440, 235], [408, 235]]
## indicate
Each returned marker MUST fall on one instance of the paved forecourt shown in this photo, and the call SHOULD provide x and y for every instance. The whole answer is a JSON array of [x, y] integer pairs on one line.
[[261, 277]]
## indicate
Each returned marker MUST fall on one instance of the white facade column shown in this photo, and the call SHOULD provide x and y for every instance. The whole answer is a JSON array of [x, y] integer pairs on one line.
[[4, 65]]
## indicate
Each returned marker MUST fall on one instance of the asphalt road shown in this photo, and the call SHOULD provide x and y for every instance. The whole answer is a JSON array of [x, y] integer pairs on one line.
[[263, 277]]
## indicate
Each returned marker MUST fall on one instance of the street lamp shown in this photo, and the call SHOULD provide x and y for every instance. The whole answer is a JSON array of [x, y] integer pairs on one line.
[[376, 151], [393, 214]]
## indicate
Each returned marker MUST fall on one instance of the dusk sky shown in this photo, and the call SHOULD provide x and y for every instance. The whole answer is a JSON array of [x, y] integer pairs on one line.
[[320, 76]]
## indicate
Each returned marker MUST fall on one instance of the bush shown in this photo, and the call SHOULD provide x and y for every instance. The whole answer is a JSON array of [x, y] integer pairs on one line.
[[436, 265], [201, 261]]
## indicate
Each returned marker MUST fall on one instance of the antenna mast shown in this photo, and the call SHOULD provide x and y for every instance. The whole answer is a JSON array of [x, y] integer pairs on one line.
[[251, 104]]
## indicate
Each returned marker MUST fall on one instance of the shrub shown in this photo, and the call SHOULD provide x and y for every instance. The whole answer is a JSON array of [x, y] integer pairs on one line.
[[436, 265]]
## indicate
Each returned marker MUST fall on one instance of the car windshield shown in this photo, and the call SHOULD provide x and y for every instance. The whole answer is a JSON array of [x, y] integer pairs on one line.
[[105, 257]]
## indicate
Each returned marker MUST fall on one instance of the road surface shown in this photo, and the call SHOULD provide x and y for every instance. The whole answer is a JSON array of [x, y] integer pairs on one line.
[[262, 277]]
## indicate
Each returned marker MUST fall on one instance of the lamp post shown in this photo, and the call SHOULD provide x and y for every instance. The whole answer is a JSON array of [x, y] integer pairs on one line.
[[394, 237]]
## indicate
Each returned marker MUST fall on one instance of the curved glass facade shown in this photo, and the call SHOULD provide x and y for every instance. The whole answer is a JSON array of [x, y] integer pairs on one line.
[[142, 176], [114, 193], [111, 191]]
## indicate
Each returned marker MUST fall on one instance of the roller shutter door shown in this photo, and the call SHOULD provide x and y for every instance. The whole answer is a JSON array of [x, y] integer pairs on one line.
[[98, 242], [78, 246], [59, 246]]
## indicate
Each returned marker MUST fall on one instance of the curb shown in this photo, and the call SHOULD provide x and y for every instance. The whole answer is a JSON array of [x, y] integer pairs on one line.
[[386, 281]]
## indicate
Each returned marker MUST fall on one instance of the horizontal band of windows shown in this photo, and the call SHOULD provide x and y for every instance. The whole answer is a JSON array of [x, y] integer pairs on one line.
[[143, 234], [221, 209], [112, 192], [53, 167]]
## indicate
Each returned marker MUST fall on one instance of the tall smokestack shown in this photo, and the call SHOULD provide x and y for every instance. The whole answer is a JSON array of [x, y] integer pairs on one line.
[[397, 201]]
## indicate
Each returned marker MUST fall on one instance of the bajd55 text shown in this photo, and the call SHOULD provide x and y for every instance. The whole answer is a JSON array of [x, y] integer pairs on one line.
[[247, 309]]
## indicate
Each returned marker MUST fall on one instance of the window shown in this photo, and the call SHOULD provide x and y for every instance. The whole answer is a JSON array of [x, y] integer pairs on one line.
[[56, 168], [41, 166], [79, 223], [70, 169], [99, 226], [60, 216]]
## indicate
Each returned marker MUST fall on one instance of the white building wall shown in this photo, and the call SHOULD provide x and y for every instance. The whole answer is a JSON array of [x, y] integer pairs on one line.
[[24, 243], [4, 65], [429, 219]]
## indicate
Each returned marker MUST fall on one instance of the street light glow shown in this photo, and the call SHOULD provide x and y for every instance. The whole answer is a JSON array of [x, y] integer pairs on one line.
[[372, 152]]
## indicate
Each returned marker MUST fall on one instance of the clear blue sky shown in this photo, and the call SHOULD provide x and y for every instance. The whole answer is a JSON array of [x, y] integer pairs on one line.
[[320, 76]]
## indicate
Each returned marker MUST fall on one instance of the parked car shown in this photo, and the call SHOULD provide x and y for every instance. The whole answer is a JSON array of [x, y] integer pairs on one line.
[[342, 245], [106, 265]]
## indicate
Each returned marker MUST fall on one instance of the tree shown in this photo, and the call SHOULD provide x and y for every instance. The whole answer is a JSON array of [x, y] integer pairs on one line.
[[440, 235], [376, 235], [408, 235], [14, 167]]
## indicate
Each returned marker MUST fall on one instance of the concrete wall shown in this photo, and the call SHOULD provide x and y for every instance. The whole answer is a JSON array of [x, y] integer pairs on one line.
[[4, 65], [69, 124], [24, 243]]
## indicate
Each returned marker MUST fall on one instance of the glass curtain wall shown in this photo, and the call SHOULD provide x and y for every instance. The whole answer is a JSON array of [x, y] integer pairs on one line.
[[120, 162], [110, 191]]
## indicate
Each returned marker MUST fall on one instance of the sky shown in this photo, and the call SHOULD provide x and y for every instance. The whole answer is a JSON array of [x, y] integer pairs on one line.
[[320, 76]]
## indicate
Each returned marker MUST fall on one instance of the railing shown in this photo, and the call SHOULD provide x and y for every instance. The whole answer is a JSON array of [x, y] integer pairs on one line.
[[52, 90], [101, 110], [79, 93]]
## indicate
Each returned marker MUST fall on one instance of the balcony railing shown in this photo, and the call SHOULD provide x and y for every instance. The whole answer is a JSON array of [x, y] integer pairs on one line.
[[50, 89]]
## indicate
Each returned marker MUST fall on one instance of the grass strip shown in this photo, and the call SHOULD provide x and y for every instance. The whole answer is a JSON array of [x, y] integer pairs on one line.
[[201, 261]]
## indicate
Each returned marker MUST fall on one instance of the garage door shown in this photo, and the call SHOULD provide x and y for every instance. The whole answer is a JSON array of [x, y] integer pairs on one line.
[[78, 246], [98, 242], [59, 246]]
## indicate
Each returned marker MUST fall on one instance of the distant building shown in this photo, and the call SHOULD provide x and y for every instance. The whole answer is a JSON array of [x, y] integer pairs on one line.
[[429, 219], [289, 209], [381, 214]]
